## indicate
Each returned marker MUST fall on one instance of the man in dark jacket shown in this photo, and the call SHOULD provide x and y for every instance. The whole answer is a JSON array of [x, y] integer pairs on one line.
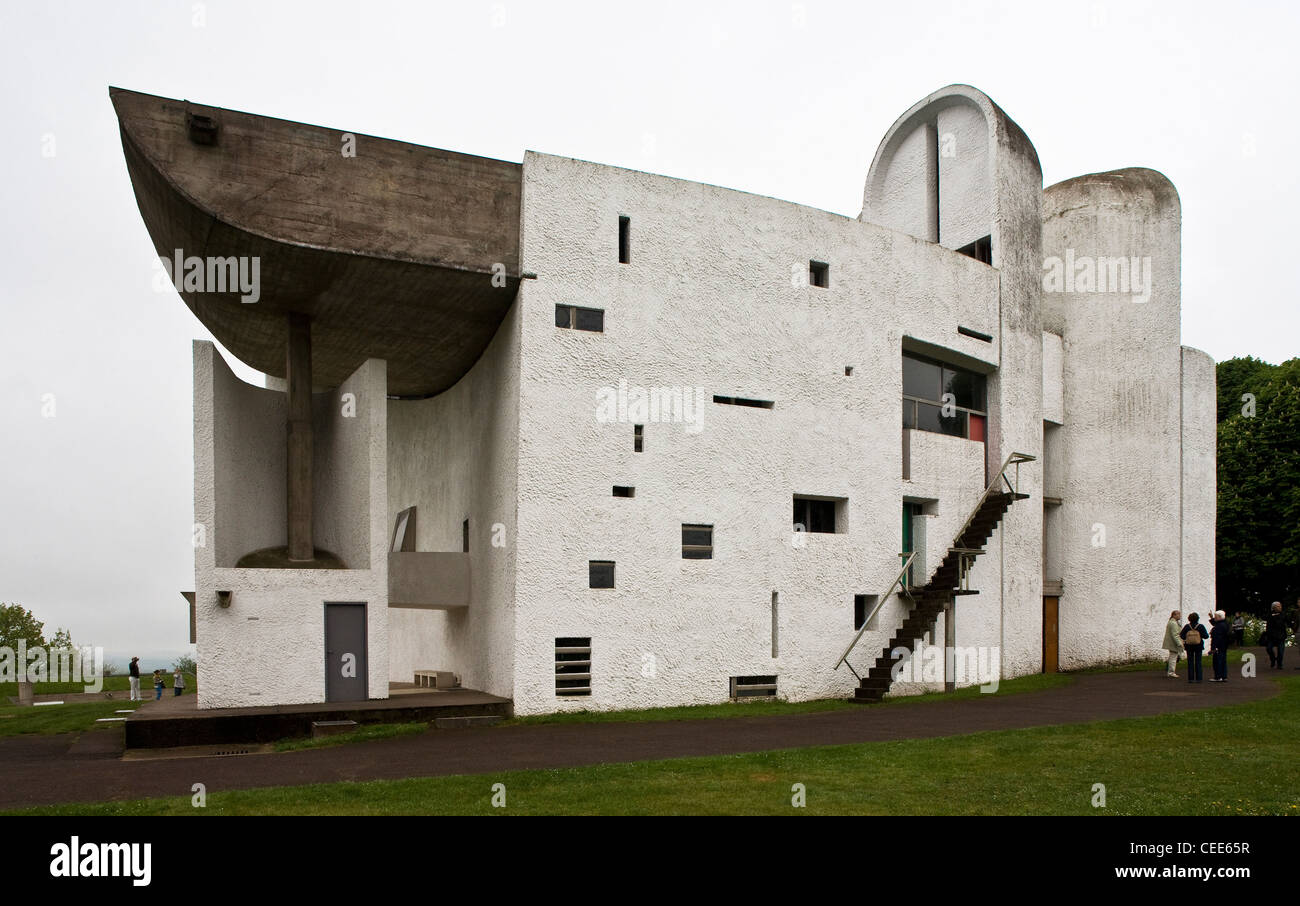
[[1275, 636], [1219, 636], [134, 673]]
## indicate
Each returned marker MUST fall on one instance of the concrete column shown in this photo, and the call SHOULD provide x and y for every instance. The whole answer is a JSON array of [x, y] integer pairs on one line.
[[298, 483]]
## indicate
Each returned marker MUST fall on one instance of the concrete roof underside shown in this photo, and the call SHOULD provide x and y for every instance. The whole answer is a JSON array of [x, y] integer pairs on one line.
[[390, 252]]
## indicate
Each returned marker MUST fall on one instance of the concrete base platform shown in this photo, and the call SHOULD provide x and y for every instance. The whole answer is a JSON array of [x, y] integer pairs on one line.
[[177, 721]]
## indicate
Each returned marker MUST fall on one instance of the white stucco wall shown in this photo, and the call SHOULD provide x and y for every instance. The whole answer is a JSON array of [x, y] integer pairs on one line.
[[1199, 480], [453, 457], [713, 267], [268, 646], [1123, 413]]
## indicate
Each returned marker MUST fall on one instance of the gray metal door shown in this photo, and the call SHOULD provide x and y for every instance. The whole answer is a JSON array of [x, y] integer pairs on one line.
[[345, 652]]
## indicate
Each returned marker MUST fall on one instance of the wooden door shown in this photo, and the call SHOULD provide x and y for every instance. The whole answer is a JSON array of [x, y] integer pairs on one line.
[[1051, 629]]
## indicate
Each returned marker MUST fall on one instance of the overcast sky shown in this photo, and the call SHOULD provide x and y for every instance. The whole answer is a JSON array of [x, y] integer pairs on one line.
[[781, 99]]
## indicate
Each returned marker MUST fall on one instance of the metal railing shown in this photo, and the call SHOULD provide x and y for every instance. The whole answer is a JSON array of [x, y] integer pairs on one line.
[[907, 564], [967, 556]]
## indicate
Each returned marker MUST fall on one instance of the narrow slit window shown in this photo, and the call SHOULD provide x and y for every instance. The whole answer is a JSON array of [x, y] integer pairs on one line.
[[464, 536], [638, 438], [743, 401], [819, 274], [625, 240], [697, 542], [600, 573], [776, 603]]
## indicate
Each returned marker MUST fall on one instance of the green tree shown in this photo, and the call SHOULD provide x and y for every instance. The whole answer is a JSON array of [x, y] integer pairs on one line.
[[185, 664], [1258, 531], [17, 623], [61, 639]]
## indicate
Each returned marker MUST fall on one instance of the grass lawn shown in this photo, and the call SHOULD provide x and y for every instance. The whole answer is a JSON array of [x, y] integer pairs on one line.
[[363, 733], [73, 716], [70, 718], [1242, 756], [767, 707], [111, 684]]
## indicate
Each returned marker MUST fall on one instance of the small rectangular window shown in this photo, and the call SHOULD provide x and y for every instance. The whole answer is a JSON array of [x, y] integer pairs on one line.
[[848, 370], [464, 536], [753, 687], [824, 515], [573, 666], [819, 274], [638, 438], [742, 401], [601, 573], [981, 250], [624, 240], [862, 605], [814, 515], [578, 318], [697, 542], [622, 490]]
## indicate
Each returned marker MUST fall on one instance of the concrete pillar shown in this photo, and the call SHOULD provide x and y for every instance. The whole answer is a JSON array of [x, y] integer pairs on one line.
[[298, 483]]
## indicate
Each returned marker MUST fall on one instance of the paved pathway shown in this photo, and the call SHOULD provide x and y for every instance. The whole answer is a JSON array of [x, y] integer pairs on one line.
[[87, 767]]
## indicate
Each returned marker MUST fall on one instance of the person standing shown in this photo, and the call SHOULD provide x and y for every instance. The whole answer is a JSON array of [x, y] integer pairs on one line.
[[157, 685], [178, 681], [134, 671], [1173, 644], [1275, 636], [1193, 636], [1239, 630], [1219, 647]]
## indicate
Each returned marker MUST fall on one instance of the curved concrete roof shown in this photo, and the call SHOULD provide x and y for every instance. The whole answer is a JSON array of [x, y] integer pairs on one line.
[[1126, 188], [1002, 130], [392, 252]]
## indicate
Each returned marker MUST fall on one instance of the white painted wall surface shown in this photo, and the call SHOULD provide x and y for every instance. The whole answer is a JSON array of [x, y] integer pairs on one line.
[[708, 301], [455, 456], [268, 646]]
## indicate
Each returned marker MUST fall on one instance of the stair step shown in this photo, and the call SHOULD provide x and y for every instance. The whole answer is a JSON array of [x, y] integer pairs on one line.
[[868, 696]]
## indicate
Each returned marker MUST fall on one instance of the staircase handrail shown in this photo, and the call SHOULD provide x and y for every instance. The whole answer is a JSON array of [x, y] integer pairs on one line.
[[1013, 458], [880, 602]]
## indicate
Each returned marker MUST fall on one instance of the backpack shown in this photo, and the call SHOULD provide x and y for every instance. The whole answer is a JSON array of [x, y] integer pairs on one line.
[[1193, 638]]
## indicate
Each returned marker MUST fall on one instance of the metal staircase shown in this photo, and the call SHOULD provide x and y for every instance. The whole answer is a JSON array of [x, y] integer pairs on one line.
[[950, 579]]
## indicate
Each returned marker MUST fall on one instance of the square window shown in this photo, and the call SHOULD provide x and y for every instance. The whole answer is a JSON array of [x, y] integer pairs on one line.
[[589, 319], [697, 542], [564, 316], [601, 573]]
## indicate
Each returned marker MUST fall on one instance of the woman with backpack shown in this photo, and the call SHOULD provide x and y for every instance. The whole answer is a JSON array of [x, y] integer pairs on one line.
[[1193, 636]]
